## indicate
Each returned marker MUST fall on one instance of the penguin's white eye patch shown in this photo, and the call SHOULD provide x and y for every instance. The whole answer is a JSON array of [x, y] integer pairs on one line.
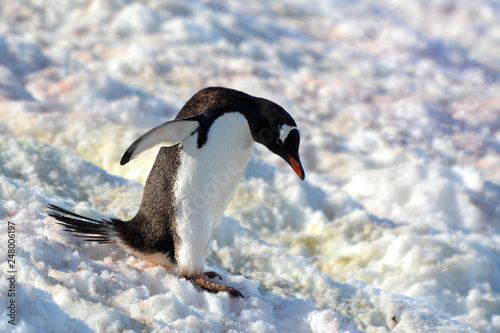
[[283, 133]]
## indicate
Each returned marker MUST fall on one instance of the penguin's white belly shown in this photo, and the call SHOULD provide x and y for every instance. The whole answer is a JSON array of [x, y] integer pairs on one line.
[[206, 181]]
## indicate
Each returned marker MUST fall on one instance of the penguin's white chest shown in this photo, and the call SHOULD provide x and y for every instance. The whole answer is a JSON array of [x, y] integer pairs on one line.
[[206, 181]]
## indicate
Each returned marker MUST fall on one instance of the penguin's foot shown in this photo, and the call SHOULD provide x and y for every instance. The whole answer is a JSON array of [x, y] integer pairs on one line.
[[212, 275], [206, 284]]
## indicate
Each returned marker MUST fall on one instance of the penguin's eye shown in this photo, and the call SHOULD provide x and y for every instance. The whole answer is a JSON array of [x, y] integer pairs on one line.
[[279, 141]]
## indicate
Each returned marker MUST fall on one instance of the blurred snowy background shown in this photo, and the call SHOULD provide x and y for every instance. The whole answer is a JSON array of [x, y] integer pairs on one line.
[[396, 228]]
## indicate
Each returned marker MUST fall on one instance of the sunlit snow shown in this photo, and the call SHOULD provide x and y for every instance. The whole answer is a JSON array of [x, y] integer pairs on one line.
[[396, 227]]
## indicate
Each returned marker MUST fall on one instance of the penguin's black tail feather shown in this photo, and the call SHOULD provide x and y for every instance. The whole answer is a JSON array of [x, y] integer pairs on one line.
[[103, 232]]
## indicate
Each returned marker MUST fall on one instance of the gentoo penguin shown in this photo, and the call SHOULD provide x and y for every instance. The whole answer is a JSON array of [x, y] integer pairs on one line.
[[204, 152]]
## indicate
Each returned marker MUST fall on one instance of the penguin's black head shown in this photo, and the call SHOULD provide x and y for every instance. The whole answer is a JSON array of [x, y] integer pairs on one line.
[[278, 132]]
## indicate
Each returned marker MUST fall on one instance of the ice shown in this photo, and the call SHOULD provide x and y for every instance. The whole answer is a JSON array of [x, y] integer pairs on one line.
[[396, 227]]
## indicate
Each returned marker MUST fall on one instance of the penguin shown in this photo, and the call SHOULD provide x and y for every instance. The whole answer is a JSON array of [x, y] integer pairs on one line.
[[203, 154]]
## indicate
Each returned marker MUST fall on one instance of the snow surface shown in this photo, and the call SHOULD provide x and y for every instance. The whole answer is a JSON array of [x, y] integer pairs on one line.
[[396, 228]]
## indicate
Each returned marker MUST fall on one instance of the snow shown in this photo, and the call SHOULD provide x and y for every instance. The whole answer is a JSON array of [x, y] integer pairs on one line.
[[396, 227]]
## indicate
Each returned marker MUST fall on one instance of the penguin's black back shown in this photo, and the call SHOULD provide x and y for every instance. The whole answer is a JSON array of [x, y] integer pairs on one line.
[[152, 229]]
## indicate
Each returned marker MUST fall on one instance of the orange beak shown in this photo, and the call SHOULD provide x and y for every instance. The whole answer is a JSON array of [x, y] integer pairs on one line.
[[296, 167]]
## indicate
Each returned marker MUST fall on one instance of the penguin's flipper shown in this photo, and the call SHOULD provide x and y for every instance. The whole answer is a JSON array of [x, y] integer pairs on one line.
[[167, 134]]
